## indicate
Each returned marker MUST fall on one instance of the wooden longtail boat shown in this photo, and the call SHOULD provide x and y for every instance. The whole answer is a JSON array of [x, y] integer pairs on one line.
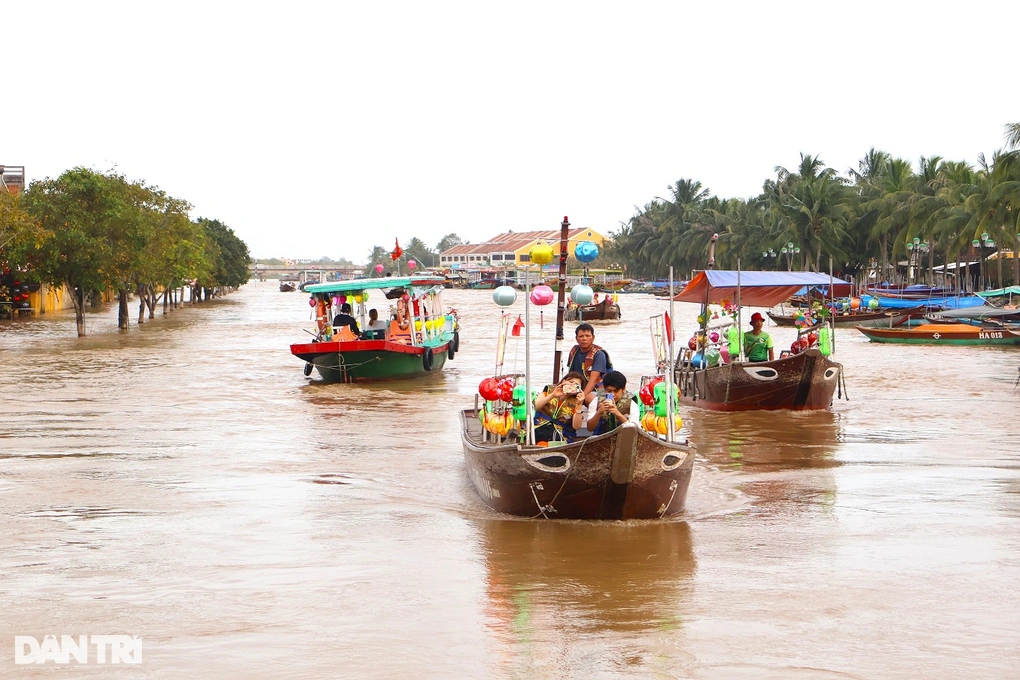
[[799, 382], [867, 319], [945, 334], [287, 286], [626, 473], [430, 339], [803, 381], [604, 310]]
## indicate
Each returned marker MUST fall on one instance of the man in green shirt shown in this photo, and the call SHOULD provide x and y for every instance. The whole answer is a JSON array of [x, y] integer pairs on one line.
[[758, 344]]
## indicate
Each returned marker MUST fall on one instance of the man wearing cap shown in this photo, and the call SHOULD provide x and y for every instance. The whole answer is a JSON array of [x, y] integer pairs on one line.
[[758, 344]]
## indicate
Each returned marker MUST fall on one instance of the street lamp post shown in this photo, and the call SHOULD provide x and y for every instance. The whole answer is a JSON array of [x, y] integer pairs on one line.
[[790, 250], [914, 250], [771, 253], [984, 243]]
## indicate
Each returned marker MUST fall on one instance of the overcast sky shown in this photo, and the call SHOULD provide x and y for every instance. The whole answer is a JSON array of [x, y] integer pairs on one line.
[[321, 129]]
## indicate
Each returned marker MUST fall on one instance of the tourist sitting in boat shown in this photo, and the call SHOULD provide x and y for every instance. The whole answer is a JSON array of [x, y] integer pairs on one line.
[[376, 329], [614, 409], [758, 345], [588, 359], [344, 318], [559, 412]]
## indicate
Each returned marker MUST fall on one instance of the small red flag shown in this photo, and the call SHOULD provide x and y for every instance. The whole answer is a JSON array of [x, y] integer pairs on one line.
[[669, 329], [516, 330], [397, 250]]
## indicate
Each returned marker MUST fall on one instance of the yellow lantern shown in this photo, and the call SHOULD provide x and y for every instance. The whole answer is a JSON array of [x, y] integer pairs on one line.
[[648, 421], [541, 253]]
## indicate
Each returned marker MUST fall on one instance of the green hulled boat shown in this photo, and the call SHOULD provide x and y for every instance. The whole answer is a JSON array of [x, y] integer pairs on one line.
[[419, 338], [945, 334]]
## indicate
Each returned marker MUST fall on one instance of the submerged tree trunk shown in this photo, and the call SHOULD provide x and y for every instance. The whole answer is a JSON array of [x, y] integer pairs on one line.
[[141, 305], [122, 310], [78, 299]]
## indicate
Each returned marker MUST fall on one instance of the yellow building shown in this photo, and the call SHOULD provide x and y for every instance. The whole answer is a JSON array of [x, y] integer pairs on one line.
[[510, 250]]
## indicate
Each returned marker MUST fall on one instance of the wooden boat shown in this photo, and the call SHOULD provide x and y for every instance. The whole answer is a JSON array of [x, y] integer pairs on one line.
[[945, 334], [624, 474], [848, 320], [604, 310], [803, 381], [395, 353], [485, 284], [288, 286], [799, 382]]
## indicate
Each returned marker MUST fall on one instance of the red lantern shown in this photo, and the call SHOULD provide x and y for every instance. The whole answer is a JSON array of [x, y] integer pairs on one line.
[[489, 389], [647, 393], [812, 338], [804, 342], [795, 347], [692, 343], [506, 391]]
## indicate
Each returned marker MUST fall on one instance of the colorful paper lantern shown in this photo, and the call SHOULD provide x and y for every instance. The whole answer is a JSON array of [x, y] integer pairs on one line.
[[541, 253], [541, 295], [489, 389], [504, 296], [378, 269], [586, 252], [311, 302], [411, 264], [581, 294]]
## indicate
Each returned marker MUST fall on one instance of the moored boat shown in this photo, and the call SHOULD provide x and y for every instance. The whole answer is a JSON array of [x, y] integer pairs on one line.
[[945, 334], [418, 340], [288, 286], [804, 379], [851, 319]]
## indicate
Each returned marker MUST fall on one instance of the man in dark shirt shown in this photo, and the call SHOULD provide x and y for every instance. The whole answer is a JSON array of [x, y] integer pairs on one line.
[[344, 318], [588, 359]]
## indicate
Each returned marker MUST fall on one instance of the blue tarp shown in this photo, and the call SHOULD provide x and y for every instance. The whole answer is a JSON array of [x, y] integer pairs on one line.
[[757, 289]]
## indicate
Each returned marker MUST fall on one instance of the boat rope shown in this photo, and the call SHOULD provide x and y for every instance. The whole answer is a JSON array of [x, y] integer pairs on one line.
[[549, 505], [841, 392]]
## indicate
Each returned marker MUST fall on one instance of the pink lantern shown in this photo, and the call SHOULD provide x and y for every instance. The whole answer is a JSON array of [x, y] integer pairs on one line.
[[411, 264], [378, 269], [336, 300], [541, 295], [343, 299], [311, 302]]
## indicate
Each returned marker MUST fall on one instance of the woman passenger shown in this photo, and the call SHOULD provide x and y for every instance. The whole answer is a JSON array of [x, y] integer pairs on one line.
[[559, 412]]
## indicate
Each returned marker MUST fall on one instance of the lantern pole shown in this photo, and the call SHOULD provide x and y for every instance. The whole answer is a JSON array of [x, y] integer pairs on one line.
[[527, 357], [560, 306]]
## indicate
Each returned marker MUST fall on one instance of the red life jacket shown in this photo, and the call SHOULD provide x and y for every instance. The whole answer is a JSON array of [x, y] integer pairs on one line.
[[589, 359]]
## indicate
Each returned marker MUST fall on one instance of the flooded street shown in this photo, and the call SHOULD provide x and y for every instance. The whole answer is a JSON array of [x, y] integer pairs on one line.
[[185, 483]]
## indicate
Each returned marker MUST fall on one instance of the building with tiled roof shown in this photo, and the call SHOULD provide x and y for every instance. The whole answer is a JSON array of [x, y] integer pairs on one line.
[[510, 249]]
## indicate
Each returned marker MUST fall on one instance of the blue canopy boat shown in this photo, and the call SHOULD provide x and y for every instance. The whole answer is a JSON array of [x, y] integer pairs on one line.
[[802, 380]]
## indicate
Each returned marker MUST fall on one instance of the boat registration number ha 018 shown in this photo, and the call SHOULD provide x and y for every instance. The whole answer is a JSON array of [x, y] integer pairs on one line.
[[990, 335]]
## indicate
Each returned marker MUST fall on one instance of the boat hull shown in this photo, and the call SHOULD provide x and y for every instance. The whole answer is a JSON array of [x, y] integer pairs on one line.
[[800, 382], [369, 360], [624, 474], [868, 319], [943, 334], [605, 310]]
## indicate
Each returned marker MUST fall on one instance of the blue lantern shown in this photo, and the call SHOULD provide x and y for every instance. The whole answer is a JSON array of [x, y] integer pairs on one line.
[[581, 294], [586, 252], [504, 296]]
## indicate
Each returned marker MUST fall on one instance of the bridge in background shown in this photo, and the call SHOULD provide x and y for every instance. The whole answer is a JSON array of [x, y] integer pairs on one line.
[[302, 273]]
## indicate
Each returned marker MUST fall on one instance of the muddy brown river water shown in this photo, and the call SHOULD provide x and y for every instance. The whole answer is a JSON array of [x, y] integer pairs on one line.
[[184, 482]]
